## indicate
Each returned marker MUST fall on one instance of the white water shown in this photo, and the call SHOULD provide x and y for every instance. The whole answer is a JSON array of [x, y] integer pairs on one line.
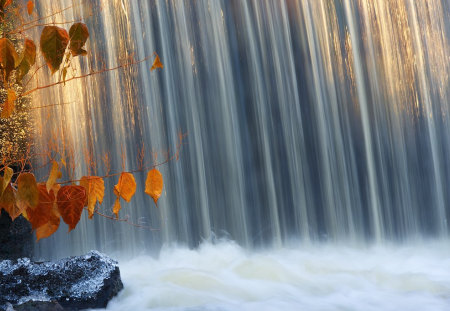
[[320, 277]]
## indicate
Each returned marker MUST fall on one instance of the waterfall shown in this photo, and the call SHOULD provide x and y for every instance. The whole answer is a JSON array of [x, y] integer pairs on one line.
[[306, 120]]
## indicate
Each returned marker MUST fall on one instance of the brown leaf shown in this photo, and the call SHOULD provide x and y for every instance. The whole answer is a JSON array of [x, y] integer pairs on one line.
[[157, 63], [117, 207], [9, 105], [30, 7], [154, 185], [70, 200], [27, 191], [54, 174], [54, 41], [95, 191], [8, 57], [6, 179], [78, 33], [41, 215], [28, 59], [126, 187]]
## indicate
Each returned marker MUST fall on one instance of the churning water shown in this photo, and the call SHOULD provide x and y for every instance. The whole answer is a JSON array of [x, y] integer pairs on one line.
[[321, 277], [321, 121]]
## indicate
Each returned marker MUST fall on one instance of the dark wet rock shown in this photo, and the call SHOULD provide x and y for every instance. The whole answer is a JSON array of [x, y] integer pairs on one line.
[[16, 237], [39, 306], [89, 281]]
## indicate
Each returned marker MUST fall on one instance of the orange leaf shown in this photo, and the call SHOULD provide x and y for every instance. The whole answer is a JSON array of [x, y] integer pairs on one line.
[[126, 187], [8, 3], [30, 7], [54, 175], [157, 63], [70, 200], [8, 106], [154, 184], [51, 226], [27, 191], [95, 191], [117, 207], [41, 215]]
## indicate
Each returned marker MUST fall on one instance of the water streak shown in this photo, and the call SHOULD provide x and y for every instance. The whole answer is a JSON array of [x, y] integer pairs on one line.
[[306, 119]]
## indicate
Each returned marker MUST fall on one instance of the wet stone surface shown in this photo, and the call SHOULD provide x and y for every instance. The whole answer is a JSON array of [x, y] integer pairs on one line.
[[88, 281]]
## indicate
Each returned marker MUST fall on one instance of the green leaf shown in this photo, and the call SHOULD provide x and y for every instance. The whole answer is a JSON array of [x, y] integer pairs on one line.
[[79, 34], [54, 41]]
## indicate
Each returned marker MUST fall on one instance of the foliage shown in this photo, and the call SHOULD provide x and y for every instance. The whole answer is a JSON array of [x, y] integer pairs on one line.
[[44, 204]]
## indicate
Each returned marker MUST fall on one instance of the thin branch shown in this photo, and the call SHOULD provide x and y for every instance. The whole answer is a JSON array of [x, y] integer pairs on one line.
[[84, 76]]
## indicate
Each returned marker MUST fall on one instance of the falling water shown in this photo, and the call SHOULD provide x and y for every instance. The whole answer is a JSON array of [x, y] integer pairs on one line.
[[306, 120]]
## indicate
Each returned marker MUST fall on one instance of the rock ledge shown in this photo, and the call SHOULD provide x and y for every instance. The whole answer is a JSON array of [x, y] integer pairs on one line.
[[82, 282]]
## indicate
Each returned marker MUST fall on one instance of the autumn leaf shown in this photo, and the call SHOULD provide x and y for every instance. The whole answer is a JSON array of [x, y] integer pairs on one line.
[[41, 215], [9, 105], [6, 179], [54, 175], [95, 191], [78, 34], [8, 202], [30, 7], [54, 41], [64, 75], [28, 59], [126, 187], [70, 200], [8, 57], [117, 207], [7, 3], [154, 185], [27, 191], [157, 63], [51, 226]]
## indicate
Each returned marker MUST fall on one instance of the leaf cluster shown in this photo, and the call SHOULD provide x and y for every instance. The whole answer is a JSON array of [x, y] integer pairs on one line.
[[44, 204]]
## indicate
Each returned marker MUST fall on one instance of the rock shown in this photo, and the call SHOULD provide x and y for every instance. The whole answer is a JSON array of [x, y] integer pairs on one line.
[[82, 282], [16, 237], [39, 306]]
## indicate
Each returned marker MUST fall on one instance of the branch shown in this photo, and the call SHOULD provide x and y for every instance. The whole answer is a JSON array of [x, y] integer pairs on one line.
[[84, 76]]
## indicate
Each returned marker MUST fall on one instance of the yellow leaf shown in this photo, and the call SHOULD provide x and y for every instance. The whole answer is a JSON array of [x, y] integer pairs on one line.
[[7, 175], [8, 203], [95, 191], [27, 190], [157, 63], [154, 185], [64, 74], [8, 106], [54, 174], [126, 187], [117, 207], [30, 7]]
